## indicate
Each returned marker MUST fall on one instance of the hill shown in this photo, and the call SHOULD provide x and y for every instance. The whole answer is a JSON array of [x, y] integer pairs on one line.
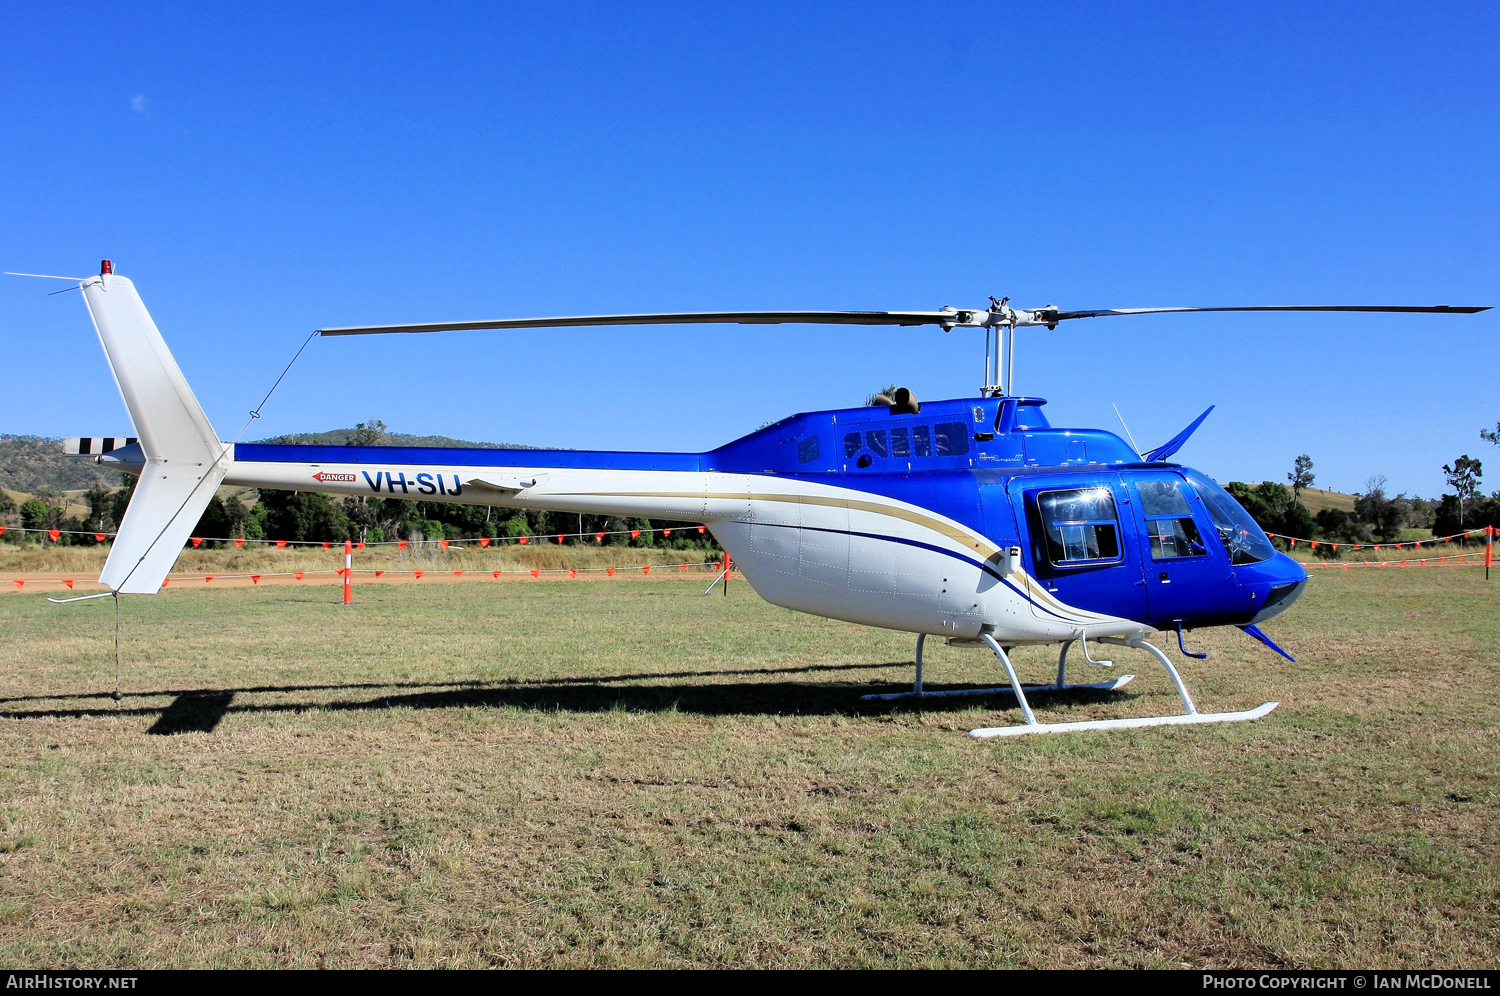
[[32, 464], [37, 463], [343, 437]]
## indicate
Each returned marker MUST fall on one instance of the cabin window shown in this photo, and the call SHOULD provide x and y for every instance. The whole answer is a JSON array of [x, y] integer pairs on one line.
[[807, 450], [900, 443], [875, 439], [921, 441], [1031, 417], [852, 443], [952, 438], [1169, 521], [1081, 526]]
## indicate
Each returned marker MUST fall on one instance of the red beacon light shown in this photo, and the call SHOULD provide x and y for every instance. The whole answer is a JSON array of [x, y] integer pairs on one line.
[[105, 267]]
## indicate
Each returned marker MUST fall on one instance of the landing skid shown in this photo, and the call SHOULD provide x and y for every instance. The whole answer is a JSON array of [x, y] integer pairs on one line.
[[1190, 717]]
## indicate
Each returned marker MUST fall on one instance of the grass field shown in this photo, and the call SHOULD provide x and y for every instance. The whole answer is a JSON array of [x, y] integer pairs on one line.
[[636, 774]]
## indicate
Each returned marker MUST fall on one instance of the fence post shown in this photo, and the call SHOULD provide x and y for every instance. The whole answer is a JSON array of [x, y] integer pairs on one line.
[[348, 571], [1489, 549]]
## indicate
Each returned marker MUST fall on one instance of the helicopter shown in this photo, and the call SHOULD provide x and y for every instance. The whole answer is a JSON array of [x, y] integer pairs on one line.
[[974, 520]]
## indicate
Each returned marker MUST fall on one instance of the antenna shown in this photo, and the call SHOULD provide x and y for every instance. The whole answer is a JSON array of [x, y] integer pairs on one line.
[[1126, 428]]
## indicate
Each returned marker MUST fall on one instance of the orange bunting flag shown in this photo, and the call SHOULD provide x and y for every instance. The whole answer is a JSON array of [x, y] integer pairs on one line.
[[484, 541], [255, 579], [572, 574], [701, 529], [1314, 544], [281, 544], [635, 534], [559, 537], [610, 572], [18, 583], [666, 532], [54, 534], [359, 546], [378, 573], [197, 540], [683, 566], [69, 584], [416, 574], [326, 545], [523, 540], [207, 578], [1344, 566], [165, 582], [598, 537], [98, 537], [2, 530], [402, 545], [646, 569], [458, 574], [444, 544], [239, 544], [1335, 548], [535, 575], [496, 575], [1423, 562], [297, 575]]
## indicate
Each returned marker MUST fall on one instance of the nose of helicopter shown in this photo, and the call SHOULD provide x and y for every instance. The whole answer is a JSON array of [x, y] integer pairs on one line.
[[1273, 585]]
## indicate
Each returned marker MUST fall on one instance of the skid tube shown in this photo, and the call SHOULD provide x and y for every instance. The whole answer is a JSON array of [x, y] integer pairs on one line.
[[917, 692], [1190, 717]]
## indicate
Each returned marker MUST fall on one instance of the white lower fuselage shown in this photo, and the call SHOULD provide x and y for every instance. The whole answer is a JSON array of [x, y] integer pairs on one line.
[[816, 548]]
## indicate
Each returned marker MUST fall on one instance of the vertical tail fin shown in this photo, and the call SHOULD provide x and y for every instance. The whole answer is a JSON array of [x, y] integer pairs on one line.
[[184, 459]]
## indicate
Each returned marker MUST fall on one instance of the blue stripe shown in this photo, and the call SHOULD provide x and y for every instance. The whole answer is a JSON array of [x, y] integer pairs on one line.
[[443, 456]]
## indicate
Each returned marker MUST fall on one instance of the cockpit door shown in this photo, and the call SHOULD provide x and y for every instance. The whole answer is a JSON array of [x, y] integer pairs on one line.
[[1187, 570], [1079, 536]]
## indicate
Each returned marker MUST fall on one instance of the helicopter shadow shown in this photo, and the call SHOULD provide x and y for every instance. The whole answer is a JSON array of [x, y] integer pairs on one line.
[[201, 710]]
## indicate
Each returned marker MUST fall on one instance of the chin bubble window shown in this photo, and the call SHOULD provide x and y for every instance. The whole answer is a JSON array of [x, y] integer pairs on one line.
[[1081, 526]]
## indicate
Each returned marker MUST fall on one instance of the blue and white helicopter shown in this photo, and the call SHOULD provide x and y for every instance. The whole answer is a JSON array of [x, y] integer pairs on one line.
[[972, 519]]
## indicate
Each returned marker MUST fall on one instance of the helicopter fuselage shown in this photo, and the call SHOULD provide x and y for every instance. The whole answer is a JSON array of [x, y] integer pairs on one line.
[[962, 517]]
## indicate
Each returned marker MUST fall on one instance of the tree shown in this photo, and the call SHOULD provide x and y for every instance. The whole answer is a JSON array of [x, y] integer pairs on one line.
[[1301, 476], [1463, 477], [1384, 515], [1491, 435], [371, 433], [884, 396], [101, 503]]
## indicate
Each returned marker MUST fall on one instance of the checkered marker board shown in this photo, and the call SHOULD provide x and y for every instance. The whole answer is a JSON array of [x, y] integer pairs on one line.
[[93, 445]]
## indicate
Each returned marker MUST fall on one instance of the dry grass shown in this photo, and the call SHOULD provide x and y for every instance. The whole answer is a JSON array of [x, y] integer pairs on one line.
[[555, 774]]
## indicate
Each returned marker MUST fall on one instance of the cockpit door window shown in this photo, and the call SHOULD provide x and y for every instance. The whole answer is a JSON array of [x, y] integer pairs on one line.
[[1169, 520]]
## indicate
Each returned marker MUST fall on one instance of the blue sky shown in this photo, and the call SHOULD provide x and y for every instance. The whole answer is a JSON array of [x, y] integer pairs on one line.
[[263, 170]]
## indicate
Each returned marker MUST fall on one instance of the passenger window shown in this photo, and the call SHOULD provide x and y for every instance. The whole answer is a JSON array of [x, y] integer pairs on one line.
[[807, 450], [875, 439], [1169, 521], [1080, 525], [852, 444], [921, 441], [900, 443], [952, 439]]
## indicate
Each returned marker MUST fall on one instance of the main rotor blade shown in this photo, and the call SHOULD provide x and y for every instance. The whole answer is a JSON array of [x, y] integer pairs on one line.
[[675, 318], [1436, 309]]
